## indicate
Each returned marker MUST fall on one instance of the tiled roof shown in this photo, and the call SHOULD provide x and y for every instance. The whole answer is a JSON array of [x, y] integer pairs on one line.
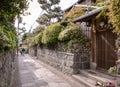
[[88, 15]]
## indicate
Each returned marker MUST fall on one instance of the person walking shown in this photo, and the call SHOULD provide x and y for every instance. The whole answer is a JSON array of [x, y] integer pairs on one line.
[[22, 51]]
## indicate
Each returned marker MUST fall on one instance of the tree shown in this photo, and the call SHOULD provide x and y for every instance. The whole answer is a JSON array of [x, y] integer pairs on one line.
[[9, 9], [52, 11], [24, 37], [38, 30]]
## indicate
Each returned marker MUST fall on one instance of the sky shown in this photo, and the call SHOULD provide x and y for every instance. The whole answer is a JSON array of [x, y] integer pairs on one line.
[[35, 10]]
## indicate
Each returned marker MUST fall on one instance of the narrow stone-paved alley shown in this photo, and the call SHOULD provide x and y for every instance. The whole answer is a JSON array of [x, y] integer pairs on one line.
[[34, 74]]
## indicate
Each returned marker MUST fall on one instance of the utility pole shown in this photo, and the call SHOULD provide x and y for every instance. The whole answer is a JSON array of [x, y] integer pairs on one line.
[[18, 34]]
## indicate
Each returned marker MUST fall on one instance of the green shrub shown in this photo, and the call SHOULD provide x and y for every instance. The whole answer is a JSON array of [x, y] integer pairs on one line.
[[64, 23], [3, 40], [8, 40], [38, 30], [32, 42], [112, 70], [74, 13], [72, 45], [12, 40], [38, 38], [69, 33], [99, 3], [50, 35]]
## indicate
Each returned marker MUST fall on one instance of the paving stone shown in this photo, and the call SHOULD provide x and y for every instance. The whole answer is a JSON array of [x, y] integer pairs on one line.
[[29, 85], [34, 74], [42, 82], [64, 85], [26, 80], [54, 85]]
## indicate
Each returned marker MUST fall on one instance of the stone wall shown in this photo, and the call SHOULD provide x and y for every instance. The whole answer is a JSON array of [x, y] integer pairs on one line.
[[33, 51], [69, 63], [6, 68]]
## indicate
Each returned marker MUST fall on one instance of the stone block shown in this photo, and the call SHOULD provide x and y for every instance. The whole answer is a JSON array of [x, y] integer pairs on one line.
[[0, 64], [6, 68], [76, 59], [76, 66], [118, 81], [70, 58], [85, 65], [65, 62], [69, 63]]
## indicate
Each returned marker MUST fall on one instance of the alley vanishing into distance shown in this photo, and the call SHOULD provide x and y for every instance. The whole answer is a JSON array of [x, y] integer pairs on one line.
[[33, 73], [60, 43]]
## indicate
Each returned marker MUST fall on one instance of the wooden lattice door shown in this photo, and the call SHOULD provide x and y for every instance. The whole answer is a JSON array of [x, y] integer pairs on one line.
[[105, 49]]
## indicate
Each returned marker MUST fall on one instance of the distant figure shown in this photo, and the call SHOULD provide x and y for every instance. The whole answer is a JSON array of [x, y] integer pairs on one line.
[[22, 51]]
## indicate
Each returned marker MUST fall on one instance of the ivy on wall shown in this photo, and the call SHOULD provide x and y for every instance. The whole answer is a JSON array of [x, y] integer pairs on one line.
[[114, 15], [110, 16]]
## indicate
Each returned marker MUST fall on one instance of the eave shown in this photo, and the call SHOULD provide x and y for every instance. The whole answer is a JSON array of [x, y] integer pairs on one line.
[[88, 16]]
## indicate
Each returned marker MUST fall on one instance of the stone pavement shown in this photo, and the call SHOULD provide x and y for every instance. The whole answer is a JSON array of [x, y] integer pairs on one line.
[[34, 74]]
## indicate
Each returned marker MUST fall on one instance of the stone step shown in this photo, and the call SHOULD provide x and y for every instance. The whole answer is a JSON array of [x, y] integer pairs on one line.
[[84, 80], [97, 76], [89, 78]]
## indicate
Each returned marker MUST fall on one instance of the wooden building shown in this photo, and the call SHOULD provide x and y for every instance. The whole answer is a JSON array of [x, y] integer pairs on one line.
[[103, 49]]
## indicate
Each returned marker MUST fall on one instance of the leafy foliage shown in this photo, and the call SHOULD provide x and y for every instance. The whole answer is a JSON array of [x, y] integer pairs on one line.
[[24, 37], [70, 32], [44, 20], [36, 40], [38, 30], [33, 41], [8, 11], [39, 36], [64, 23], [3, 39], [50, 35], [110, 15], [102, 18], [74, 13], [99, 3], [63, 32], [72, 38], [52, 11], [114, 15], [112, 70], [103, 13], [8, 40], [73, 45]]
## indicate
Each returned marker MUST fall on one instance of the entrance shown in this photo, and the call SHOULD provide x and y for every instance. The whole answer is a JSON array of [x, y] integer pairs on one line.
[[105, 54]]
